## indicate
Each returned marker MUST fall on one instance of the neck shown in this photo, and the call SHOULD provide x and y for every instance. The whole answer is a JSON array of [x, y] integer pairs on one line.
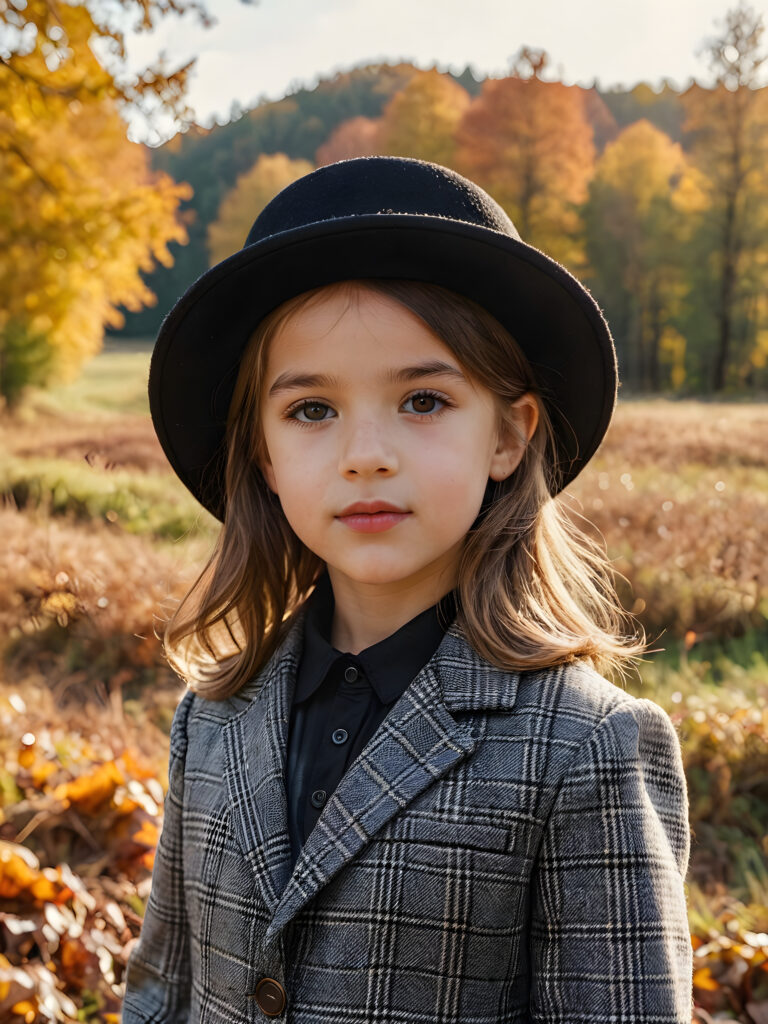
[[366, 613]]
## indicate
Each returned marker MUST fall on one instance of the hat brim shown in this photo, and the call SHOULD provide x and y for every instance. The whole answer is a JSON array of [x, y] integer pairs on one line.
[[550, 314]]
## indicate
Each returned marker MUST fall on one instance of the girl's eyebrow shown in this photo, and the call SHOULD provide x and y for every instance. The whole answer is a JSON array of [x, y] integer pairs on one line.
[[290, 381]]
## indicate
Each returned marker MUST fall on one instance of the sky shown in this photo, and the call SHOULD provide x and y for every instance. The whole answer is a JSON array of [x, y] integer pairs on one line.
[[264, 50]]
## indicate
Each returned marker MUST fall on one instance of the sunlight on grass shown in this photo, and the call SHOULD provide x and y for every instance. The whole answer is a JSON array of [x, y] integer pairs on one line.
[[114, 381], [152, 503]]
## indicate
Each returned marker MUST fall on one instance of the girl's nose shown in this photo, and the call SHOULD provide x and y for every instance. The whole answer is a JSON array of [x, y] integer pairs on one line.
[[366, 451]]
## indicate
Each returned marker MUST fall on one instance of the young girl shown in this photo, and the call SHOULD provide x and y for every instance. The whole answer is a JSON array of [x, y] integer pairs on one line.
[[400, 792]]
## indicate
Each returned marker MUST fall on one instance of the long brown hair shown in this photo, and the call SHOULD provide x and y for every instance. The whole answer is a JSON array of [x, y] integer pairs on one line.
[[534, 589]]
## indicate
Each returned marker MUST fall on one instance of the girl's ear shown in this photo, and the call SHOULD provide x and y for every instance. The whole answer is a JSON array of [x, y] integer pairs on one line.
[[518, 425]]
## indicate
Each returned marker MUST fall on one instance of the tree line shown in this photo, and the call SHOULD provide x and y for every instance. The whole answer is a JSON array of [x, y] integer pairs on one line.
[[657, 199], [671, 236]]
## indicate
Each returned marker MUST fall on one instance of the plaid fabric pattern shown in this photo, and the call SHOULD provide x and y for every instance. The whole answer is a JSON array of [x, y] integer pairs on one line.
[[507, 847]]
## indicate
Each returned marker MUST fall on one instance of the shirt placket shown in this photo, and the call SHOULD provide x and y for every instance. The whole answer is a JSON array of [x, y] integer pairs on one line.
[[352, 703]]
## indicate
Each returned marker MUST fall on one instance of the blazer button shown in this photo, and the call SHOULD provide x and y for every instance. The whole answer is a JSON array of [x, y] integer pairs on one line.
[[270, 996]]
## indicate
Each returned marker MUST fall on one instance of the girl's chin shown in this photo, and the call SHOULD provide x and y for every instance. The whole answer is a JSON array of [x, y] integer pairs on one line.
[[382, 573], [370, 577]]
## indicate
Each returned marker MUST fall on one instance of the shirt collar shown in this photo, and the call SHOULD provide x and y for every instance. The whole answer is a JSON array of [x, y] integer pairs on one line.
[[389, 665]]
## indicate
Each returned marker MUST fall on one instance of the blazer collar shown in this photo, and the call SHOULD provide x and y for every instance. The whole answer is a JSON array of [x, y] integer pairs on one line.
[[469, 682], [417, 743], [388, 665]]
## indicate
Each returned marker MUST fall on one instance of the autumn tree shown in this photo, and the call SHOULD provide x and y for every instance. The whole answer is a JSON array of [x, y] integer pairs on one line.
[[639, 217], [253, 190], [728, 126], [74, 234], [421, 119], [359, 136], [81, 214], [49, 46], [529, 143]]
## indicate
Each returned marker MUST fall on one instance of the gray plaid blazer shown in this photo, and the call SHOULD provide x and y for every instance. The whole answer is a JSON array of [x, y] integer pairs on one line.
[[507, 847]]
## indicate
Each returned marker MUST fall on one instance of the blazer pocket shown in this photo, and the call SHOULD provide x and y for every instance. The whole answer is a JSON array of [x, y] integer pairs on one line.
[[489, 849], [424, 828], [458, 879]]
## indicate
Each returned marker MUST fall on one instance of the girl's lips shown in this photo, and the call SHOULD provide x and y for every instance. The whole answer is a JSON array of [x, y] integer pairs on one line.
[[372, 522], [370, 506]]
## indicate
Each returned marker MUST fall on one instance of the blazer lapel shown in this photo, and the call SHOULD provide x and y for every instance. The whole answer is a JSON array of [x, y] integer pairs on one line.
[[255, 742], [418, 742]]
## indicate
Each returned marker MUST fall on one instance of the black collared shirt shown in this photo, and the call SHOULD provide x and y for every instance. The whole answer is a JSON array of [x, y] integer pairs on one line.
[[341, 699]]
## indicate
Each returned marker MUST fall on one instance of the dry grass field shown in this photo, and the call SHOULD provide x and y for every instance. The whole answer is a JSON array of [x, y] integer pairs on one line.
[[100, 540]]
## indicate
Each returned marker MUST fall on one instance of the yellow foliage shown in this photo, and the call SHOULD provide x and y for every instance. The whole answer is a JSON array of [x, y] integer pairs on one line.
[[62, 66], [692, 191], [644, 164], [760, 351], [672, 350], [136, 766], [81, 214], [247, 199], [41, 771], [421, 119], [646, 198]]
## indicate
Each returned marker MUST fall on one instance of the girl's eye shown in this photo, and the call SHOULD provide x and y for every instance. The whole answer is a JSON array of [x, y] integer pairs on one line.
[[425, 402], [314, 412]]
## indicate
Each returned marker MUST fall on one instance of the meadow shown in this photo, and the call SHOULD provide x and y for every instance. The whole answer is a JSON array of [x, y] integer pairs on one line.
[[100, 540]]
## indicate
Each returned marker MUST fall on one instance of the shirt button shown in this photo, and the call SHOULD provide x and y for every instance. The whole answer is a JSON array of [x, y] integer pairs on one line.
[[270, 996], [318, 798], [339, 736], [351, 674]]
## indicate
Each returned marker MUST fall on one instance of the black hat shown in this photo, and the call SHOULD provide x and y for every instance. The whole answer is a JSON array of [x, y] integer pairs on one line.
[[383, 217]]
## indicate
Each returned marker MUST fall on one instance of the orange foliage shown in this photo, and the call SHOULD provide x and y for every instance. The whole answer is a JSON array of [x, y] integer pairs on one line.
[[529, 143], [73, 879], [359, 136], [88, 792], [21, 878]]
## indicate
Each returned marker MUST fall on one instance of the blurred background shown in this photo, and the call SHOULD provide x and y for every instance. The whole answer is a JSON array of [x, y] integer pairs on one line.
[[138, 142]]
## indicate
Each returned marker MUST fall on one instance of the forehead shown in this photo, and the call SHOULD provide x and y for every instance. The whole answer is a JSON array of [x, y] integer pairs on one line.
[[344, 321]]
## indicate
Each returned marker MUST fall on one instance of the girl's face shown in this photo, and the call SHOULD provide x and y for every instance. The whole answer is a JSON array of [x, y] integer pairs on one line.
[[362, 403]]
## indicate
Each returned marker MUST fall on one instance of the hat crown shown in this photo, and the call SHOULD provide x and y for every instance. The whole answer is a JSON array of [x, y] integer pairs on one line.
[[379, 185]]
